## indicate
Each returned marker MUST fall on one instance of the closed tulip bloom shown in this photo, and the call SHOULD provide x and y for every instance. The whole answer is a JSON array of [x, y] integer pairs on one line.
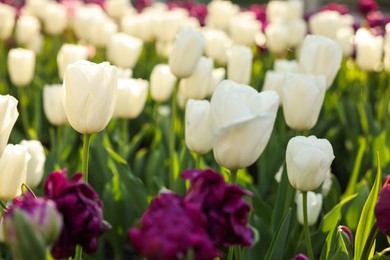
[[162, 82], [68, 54], [274, 80], [90, 92], [314, 204], [277, 36], [7, 21], [8, 116], [139, 25], [197, 85], [83, 18], [320, 56], [281, 65], [55, 18], [327, 23], [277, 11], [198, 134], [302, 98], [168, 23], [21, 66], [386, 60], [242, 121], [217, 76], [52, 104], [298, 31], [27, 28], [36, 164], [186, 52], [124, 50], [118, 8], [382, 209], [239, 68], [369, 51], [219, 14], [344, 38], [132, 94], [13, 170], [243, 28], [308, 160], [101, 30], [217, 45]]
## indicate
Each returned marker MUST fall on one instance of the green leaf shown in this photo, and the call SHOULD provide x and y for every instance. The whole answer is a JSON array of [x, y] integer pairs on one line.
[[334, 215], [367, 218], [278, 243]]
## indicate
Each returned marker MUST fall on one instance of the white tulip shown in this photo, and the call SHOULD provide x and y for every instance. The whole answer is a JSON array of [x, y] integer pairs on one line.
[[8, 116], [217, 76], [277, 11], [302, 99], [52, 104], [162, 83], [168, 24], [7, 21], [68, 54], [35, 166], [186, 52], [308, 160], [277, 35], [118, 8], [281, 65], [314, 204], [198, 134], [101, 30], [274, 81], [219, 14], [327, 23], [386, 60], [242, 29], [242, 121], [239, 67], [217, 45], [27, 28], [13, 170], [139, 25], [344, 38], [90, 93], [124, 50], [132, 94], [320, 55], [298, 31], [55, 18], [369, 51], [21, 66]]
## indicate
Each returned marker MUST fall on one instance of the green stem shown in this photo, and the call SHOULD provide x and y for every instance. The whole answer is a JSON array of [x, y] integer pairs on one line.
[[198, 159], [85, 156], [370, 241], [124, 130], [230, 253], [233, 176], [3, 207], [306, 226], [237, 253], [79, 253], [172, 137], [23, 111]]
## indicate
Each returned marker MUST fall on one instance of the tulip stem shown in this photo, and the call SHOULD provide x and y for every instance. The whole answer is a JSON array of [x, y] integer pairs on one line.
[[306, 226], [85, 156], [172, 138], [233, 176], [3, 206], [79, 253], [23, 99]]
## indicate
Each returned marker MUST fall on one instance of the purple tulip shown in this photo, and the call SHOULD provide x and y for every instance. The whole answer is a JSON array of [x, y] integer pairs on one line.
[[366, 6], [377, 19], [226, 211], [199, 11], [82, 213], [382, 208], [347, 232], [171, 227], [300, 257], [259, 11]]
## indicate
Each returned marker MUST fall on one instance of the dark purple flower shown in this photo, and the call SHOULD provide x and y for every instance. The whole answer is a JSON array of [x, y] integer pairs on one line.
[[169, 228], [81, 210], [347, 232], [259, 11], [300, 257], [141, 4], [199, 11], [382, 208], [340, 8], [40, 213], [226, 211], [366, 6], [377, 19]]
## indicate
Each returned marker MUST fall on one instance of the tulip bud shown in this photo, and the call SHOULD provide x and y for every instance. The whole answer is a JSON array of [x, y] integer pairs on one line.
[[7, 21], [139, 25], [55, 18], [346, 233], [369, 52], [83, 18], [217, 76], [327, 23], [242, 28], [301, 257], [382, 210], [34, 219], [219, 14], [344, 38], [217, 43], [124, 50], [274, 81], [298, 31], [21, 66], [35, 165], [168, 24], [277, 11], [90, 93], [286, 65], [132, 94], [186, 52], [162, 82], [13, 170], [320, 56], [198, 134], [239, 68], [308, 160], [278, 36], [53, 106], [118, 8], [302, 98], [314, 204], [27, 28], [242, 121], [68, 54], [197, 85], [101, 30], [8, 116]]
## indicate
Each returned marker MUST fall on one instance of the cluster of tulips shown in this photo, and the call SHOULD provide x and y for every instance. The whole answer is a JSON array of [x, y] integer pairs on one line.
[[207, 131]]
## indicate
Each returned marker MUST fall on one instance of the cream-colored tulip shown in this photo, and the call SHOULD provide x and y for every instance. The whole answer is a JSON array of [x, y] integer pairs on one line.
[[52, 104], [277, 11], [162, 82], [186, 52], [344, 38], [327, 23], [101, 30], [13, 170], [314, 204], [83, 17], [21, 66], [35, 166], [198, 134], [26, 29], [139, 26], [132, 94], [68, 54], [298, 31], [274, 80], [386, 60], [55, 18], [168, 24], [7, 21], [118, 8], [90, 93], [369, 51], [243, 28], [239, 67], [302, 99], [217, 44], [8, 116], [197, 85], [242, 120], [308, 160], [124, 50], [219, 14], [217, 76], [281, 65], [277, 35], [320, 55]]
